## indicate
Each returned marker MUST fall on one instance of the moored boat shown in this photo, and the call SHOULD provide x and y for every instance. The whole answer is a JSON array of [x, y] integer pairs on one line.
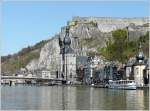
[[122, 84]]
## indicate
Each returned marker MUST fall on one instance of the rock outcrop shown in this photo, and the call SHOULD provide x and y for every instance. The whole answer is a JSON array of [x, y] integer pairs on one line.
[[84, 31]]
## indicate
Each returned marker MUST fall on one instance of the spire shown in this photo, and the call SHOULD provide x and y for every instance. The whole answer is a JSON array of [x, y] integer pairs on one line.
[[67, 40], [140, 55]]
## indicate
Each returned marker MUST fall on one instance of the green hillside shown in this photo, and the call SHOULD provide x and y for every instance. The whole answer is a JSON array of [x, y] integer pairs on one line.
[[12, 63], [119, 48]]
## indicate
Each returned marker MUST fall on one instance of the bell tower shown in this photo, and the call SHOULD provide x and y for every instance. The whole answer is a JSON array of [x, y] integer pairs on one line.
[[138, 68], [68, 58]]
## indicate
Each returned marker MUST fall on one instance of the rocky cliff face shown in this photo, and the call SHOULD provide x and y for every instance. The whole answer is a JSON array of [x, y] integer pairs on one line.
[[86, 37], [49, 57]]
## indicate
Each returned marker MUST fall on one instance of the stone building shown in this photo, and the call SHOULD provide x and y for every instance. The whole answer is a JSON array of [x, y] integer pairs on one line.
[[68, 59], [81, 62], [91, 72], [129, 67], [109, 72], [46, 74], [138, 69]]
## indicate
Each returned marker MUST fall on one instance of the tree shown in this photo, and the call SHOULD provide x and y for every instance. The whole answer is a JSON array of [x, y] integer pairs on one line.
[[118, 48]]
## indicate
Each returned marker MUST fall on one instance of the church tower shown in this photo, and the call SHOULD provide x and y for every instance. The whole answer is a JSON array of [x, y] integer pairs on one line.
[[138, 68], [68, 58]]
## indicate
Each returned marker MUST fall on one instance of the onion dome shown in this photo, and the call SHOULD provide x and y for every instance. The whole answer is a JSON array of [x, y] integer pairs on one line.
[[140, 56], [67, 40]]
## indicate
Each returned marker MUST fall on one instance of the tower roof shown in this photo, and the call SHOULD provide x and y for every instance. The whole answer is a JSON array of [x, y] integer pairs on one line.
[[67, 40], [140, 55]]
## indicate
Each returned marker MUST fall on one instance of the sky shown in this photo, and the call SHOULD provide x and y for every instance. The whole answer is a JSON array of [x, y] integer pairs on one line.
[[26, 23]]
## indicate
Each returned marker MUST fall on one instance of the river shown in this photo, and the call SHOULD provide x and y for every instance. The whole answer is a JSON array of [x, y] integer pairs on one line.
[[71, 97]]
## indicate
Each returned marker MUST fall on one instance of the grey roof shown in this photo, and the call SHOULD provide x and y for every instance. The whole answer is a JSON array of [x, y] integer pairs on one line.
[[81, 60], [137, 63], [130, 63]]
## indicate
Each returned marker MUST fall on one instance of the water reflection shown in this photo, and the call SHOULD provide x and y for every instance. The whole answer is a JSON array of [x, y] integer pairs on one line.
[[67, 97]]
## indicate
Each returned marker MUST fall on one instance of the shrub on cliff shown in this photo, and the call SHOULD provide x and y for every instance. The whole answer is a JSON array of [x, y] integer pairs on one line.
[[120, 49]]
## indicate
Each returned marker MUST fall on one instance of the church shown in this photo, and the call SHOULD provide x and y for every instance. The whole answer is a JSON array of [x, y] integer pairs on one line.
[[68, 58], [139, 70]]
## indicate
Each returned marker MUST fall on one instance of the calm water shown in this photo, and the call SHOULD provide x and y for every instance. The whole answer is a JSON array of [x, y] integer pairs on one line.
[[67, 97]]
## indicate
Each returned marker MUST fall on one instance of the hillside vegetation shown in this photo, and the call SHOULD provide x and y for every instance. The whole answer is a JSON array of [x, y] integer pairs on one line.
[[119, 48], [12, 63]]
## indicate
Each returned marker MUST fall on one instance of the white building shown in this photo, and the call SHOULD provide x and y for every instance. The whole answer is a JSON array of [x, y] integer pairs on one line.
[[46, 74], [138, 69], [128, 68], [128, 71], [70, 61], [92, 63]]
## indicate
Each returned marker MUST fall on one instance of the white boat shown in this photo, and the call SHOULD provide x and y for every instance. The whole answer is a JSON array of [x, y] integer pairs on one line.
[[122, 84]]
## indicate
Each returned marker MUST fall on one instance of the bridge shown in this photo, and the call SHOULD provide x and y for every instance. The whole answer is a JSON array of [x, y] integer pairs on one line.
[[24, 79], [33, 78]]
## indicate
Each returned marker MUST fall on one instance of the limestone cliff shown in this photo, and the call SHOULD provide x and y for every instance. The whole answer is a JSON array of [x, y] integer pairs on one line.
[[87, 37], [89, 34]]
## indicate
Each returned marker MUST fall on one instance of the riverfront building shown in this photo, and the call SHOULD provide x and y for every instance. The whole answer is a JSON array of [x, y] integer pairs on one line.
[[89, 69], [81, 62], [138, 69], [46, 74], [128, 68], [68, 58]]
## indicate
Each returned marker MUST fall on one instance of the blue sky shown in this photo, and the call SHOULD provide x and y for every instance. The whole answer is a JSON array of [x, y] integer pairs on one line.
[[26, 23]]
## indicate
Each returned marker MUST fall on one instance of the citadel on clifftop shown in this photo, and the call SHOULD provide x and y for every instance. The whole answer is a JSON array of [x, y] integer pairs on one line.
[[65, 57]]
